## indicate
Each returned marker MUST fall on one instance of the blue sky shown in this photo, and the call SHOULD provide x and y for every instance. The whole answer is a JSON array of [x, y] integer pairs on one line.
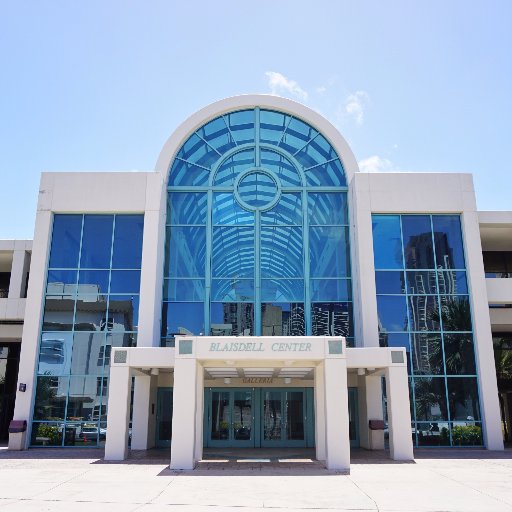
[[100, 85]]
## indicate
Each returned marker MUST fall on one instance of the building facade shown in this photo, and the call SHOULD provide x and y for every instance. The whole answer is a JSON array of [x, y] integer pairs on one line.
[[256, 290]]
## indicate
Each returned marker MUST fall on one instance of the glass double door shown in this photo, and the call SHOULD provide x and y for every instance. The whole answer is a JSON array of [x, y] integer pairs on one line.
[[259, 417]]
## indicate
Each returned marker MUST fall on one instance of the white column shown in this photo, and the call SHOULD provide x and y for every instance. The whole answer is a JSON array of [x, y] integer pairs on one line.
[[198, 455], [141, 412], [320, 412], [184, 414], [370, 408], [18, 270], [336, 414], [399, 413], [116, 445]]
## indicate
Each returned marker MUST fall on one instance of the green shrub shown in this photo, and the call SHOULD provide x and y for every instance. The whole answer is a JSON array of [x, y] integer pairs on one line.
[[51, 432], [467, 435]]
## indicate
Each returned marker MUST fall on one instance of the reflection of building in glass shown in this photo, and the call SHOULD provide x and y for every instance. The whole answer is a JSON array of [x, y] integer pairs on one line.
[[330, 319], [283, 319]]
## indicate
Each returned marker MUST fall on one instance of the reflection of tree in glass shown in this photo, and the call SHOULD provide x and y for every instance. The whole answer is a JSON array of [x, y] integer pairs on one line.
[[429, 394], [45, 395], [503, 363], [455, 314]]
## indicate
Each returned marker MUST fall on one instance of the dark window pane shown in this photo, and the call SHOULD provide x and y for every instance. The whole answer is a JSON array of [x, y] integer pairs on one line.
[[65, 245], [332, 319], [389, 282], [329, 252], [232, 319], [280, 319], [227, 211], [463, 396], [387, 243], [184, 290], [123, 313], [58, 313], [233, 252], [417, 234], [50, 400], [452, 282], [93, 281], [84, 395], [96, 241], [392, 312], [421, 282], [424, 313], [232, 290], [127, 252], [327, 208], [456, 313], [55, 353], [282, 290], [185, 252], [86, 351], [331, 290], [430, 398], [459, 354], [436, 433], [125, 281], [427, 354], [91, 313], [186, 208], [281, 252], [46, 434], [61, 282], [448, 240], [288, 210], [397, 339], [182, 318]]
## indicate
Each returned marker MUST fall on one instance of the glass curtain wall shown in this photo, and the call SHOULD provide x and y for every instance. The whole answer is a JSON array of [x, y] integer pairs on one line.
[[91, 305], [257, 232], [423, 305]]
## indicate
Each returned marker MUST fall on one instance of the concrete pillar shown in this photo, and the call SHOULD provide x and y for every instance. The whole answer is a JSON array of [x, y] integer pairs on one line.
[[184, 414], [116, 445], [18, 271], [399, 413], [336, 414], [370, 408], [141, 412], [320, 413], [198, 452]]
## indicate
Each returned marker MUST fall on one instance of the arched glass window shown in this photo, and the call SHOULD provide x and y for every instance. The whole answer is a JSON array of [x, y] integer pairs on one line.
[[257, 239]]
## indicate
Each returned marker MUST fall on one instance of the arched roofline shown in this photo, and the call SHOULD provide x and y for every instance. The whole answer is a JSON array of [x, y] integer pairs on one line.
[[247, 101]]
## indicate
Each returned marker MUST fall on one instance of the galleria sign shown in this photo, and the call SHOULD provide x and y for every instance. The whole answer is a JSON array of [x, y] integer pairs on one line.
[[259, 347]]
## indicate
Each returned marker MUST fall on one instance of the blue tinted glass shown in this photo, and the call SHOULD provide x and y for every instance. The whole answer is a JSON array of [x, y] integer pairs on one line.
[[288, 210], [427, 354], [61, 282], [459, 354], [232, 319], [96, 241], [186, 208], [272, 126], [387, 244], [316, 152], [421, 282], [228, 212], [125, 281], [417, 235], [241, 126], [127, 252], [297, 135], [217, 135], [424, 312], [233, 252], [282, 166], [392, 312], [233, 290], [430, 395], [123, 313], [283, 319], [183, 174], [91, 313], [456, 312], [329, 252], [87, 350], [93, 281], [452, 282], [196, 151], [327, 208], [55, 353], [65, 241], [331, 289], [463, 398], [389, 282], [185, 252], [257, 189], [332, 319], [330, 174], [230, 168], [448, 241], [58, 313], [281, 252], [184, 290], [51, 404], [282, 290]]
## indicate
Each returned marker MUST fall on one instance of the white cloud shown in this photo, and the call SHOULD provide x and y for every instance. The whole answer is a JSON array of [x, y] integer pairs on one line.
[[278, 83], [355, 105], [321, 89], [376, 164]]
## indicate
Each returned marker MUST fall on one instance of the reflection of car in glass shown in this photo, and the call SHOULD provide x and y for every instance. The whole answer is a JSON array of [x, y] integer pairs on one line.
[[90, 432]]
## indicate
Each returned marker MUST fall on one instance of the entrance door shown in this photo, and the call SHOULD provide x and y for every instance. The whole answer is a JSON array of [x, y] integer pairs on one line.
[[230, 417], [164, 417]]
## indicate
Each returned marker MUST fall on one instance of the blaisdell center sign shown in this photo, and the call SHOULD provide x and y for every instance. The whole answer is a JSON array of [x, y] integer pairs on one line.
[[260, 347]]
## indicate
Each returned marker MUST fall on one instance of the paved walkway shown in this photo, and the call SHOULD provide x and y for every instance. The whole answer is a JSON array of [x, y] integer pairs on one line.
[[290, 481]]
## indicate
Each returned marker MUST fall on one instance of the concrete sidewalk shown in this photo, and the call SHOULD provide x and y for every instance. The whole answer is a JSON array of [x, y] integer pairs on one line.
[[76, 480]]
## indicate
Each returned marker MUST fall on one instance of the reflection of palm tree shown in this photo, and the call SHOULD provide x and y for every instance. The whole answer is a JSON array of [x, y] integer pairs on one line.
[[503, 364], [429, 393], [455, 314]]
